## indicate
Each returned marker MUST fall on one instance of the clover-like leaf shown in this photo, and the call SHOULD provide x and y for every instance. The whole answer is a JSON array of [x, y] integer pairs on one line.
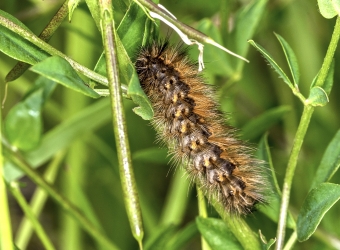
[[317, 97], [327, 9]]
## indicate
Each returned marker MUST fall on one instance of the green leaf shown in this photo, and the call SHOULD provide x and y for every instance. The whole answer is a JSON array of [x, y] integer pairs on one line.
[[95, 11], [17, 47], [318, 201], [59, 70], [272, 209], [263, 122], [317, 97], [134, 19], [272, 63], [23, 125], [133, 30], [60, 137], [217, 234], [336, 6], [328, 84], [327, 9], [291, 59], [14, 20], [330, 162], [129, 76]]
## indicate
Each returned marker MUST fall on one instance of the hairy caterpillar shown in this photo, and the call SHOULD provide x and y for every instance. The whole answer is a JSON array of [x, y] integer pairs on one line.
[[188, 120]]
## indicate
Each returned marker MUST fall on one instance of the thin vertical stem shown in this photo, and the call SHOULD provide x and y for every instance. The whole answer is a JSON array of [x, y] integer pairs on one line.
[[202, 210], [329, 55], [6, 241], [118, 122], [300, 134], [292, 162]]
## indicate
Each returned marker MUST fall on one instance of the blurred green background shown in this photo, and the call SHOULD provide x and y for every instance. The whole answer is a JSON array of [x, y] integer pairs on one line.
[[90, 163]]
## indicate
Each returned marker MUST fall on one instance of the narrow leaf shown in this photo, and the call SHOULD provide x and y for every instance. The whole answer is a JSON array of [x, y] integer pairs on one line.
[[59, 70], [127, 43], [129, 76], [132, 29], [291, 59], [272, 63], [318, 201], [217, 234], [17, 47], [330, 162]]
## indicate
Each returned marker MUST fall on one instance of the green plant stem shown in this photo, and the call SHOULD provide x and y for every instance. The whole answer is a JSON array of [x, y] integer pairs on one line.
[[304, 122], [37, 202], [119, 126], [185, 29], [202, 211], [29, 36], [329, 55], [62, 201], [195, 34], [6, 241], [14, 188], [45, 35], [202, 208], [292, 162]]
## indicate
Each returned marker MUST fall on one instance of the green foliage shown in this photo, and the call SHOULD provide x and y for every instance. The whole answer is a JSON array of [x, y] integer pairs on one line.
[[66, 126], [318, 201], [217, 234]]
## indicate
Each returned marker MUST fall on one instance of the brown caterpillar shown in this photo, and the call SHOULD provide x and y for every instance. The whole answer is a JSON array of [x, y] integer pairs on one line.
[[188, 120]]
